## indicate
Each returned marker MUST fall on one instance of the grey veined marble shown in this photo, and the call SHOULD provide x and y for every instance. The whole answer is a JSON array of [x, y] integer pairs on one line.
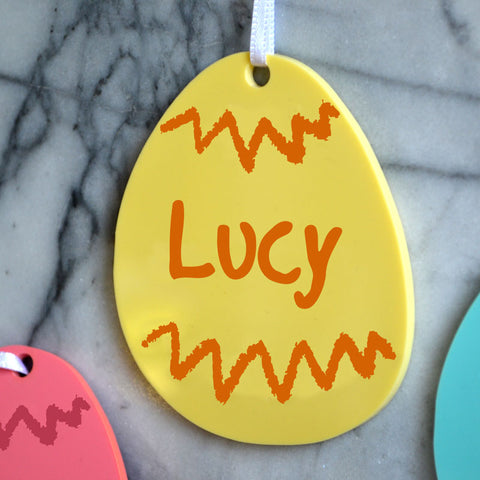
[[82, 84]]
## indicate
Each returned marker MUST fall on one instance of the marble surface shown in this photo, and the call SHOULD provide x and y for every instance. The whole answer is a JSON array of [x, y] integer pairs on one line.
[[83, 83]]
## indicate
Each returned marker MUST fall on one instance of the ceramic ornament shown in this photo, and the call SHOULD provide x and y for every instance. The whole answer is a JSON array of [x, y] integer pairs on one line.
[[261, 272], [457, 409], [51, 425]]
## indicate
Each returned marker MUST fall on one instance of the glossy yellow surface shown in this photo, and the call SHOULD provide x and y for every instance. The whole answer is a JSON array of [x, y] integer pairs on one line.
[[336, 186]]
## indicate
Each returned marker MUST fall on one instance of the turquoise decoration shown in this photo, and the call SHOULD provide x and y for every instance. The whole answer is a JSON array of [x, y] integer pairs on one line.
[[457, 412]]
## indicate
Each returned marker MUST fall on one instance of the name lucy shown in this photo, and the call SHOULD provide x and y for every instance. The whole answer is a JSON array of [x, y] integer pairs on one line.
[[317, 258]]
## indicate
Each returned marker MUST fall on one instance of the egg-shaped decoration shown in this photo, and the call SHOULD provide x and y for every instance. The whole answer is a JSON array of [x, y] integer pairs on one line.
[[457, 410], [51, 424], [261, 273]]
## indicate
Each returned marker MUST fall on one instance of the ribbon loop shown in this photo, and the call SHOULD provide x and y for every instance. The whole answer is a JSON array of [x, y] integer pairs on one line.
[[9, 361], [262, 38]]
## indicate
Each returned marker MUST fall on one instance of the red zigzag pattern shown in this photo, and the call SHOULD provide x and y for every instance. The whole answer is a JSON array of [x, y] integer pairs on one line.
[[46, 434]]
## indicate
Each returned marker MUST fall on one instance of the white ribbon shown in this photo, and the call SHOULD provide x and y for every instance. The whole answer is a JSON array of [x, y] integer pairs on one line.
[[262, 38], [9, 361]]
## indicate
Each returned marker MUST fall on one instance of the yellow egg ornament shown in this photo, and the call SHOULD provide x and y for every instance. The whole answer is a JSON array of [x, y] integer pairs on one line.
[[261, 273]]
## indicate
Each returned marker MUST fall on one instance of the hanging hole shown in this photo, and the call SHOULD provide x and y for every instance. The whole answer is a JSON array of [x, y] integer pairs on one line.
[[261, 75], [28, 362]]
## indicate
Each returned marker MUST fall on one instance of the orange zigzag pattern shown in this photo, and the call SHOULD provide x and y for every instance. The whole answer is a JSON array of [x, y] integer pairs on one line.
[[293, 149], [363, 363]]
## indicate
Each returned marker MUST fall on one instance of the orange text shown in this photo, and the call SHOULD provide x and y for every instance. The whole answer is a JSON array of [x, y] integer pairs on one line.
[[317, 258]]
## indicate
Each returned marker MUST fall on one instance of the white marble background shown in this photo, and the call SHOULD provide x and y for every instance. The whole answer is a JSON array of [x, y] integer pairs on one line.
[[82, 84]]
